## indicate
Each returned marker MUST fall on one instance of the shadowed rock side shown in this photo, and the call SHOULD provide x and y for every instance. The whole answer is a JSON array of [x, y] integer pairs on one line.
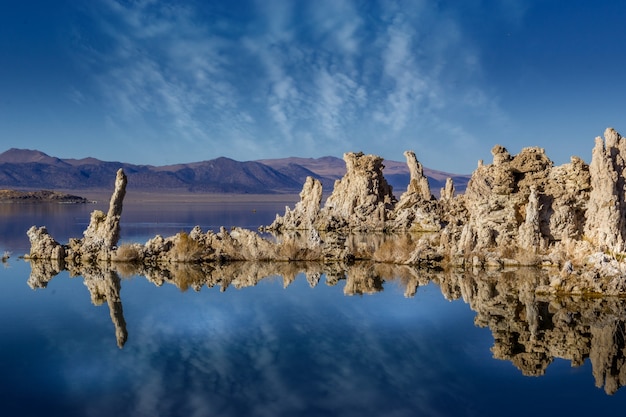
[[520, 210], [530, 330]]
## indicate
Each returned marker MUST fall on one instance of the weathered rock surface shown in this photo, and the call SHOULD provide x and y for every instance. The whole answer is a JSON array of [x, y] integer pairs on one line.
[[306, 211], [103, 231]]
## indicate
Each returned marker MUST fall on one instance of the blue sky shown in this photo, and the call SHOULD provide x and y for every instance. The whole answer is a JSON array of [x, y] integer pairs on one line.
[[162, 82]]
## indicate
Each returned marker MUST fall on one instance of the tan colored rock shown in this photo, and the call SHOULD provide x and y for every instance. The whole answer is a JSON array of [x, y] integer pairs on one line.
[[564, 201], [361, 198], [492, 205], [518, 210], [417, 209]]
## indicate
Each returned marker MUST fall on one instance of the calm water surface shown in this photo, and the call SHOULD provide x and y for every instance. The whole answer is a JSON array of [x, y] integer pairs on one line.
[[291, 346]]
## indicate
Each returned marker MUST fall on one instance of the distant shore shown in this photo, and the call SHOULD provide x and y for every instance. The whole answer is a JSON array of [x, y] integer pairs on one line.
[[177, 196], [40, 196]]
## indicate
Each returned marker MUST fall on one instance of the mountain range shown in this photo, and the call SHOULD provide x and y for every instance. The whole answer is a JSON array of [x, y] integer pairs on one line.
[[32, 169]]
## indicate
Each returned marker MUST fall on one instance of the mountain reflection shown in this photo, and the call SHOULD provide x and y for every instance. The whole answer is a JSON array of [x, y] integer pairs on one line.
[[529, 330]]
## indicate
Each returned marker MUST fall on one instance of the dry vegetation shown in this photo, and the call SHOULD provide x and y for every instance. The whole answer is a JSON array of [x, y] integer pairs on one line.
[[187, 249], [291, 250], [128, 252]]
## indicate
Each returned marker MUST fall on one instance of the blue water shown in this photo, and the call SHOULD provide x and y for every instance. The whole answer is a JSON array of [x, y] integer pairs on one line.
[[264, 350]]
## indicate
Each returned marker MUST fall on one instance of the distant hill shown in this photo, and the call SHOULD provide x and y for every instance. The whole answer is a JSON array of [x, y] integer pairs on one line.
[[32, 169]]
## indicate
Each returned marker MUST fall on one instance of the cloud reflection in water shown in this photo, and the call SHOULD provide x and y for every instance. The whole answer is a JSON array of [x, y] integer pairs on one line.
[[314, 351]]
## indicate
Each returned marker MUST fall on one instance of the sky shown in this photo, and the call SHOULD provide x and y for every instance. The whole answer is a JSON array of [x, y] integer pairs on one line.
[[164, 82]]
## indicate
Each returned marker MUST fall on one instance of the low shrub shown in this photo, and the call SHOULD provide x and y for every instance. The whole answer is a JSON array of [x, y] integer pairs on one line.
[[128, 252], [186, 249]]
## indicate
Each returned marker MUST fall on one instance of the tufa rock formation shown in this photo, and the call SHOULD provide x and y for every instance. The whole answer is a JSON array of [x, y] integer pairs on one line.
[[520, 210]]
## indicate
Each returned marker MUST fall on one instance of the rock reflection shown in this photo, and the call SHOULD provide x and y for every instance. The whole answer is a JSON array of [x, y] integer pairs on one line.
[[530, 330], [103, 283]]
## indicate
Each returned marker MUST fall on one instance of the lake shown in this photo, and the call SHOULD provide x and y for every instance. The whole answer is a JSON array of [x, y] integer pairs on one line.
[[289, 339]]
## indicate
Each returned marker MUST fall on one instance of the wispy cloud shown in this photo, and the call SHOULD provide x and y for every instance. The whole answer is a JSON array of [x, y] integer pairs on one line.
[[297, 78], [162, 67]]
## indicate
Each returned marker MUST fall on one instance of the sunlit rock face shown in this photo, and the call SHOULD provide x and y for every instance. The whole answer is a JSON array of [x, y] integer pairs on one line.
[[99, 239], [361, 199], [524, 193], [417, 209]]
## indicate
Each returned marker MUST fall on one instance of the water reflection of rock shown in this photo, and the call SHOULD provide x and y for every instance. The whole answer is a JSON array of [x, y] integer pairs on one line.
[[532, 330], [529, 329], [103, 283]]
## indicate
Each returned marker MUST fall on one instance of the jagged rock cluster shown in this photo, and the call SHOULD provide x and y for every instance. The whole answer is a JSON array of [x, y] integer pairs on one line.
[[363, 201], [520, 210]]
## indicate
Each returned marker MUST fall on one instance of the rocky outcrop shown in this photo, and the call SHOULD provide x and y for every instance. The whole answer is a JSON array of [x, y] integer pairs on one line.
[[520, 210], [418, 183], [417, 209], [363, 201], [103, 231], [524, 202], [42, 196]]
